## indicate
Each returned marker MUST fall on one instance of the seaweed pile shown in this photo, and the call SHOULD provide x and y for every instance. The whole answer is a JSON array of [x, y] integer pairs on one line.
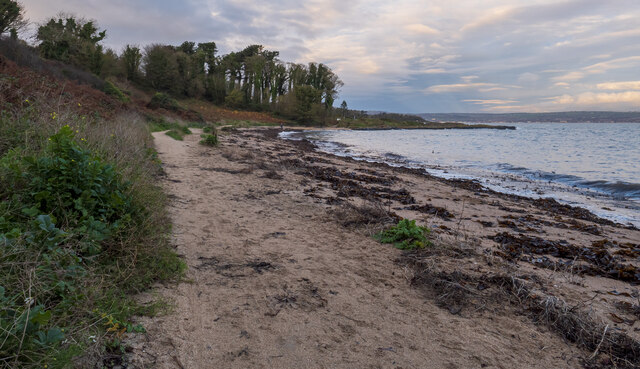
[[465, 292], [594, 260]]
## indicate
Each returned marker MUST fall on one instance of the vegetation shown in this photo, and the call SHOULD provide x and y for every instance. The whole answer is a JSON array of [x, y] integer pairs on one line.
[[72, 40], [405, 235], [164, 101], [82, 223], [176, 134], [209, 139], [158, 124], [11, 17], [253, 78], [111, 89]]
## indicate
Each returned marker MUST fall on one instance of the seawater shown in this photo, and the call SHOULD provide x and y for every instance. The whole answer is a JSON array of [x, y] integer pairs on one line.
[[593, 165]]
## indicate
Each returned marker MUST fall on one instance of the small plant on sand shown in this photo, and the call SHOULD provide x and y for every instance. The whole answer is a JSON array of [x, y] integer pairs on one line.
[[405, 235], [209, 139]]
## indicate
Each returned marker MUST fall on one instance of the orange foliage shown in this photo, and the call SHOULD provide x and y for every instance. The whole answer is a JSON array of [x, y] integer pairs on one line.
[[214, 113]]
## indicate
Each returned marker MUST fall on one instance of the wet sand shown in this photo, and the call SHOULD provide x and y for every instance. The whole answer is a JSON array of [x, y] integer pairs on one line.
[[283, 272]]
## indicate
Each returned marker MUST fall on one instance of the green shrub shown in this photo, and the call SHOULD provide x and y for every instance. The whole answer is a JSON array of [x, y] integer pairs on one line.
[[209, 139], [164, 101], [75, 239], [73, 187], [235, 99], [112, 90], [405, 235]]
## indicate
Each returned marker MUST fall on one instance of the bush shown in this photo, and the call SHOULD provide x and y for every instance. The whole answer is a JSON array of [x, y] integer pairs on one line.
[[73, 187], [235, 99], [75, 239], [164, 101], [111, 89], [405, 235], [209, 139]]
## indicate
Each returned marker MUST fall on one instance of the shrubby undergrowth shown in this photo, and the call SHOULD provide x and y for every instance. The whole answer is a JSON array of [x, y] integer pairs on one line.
[[82, 228]]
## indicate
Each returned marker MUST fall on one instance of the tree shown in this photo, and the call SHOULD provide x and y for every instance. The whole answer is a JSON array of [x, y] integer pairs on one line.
[[343, 108], [110, 65], [11, 16], [307, 97], [188, 47], [161, 68], [72, 40], [131, 58]]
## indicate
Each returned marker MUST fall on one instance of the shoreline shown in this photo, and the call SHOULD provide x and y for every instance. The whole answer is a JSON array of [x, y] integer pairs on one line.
[[285, 273], [477, 185]]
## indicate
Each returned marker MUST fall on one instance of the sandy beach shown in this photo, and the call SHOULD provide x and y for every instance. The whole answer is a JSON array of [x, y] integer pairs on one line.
[[283, 271]]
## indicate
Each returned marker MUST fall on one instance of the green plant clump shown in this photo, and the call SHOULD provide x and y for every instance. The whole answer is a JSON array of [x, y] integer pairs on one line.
[[164, 101], [405, 235], [111, 89], [176, 134], [209, 139]]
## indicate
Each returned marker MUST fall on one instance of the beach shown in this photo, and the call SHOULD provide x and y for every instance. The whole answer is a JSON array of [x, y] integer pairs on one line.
[[284, 272]]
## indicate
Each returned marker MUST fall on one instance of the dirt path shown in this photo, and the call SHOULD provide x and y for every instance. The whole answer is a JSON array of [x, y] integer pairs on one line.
[[274, 282]]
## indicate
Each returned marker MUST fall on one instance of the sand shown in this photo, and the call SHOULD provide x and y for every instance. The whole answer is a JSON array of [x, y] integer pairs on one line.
[[276, 281]]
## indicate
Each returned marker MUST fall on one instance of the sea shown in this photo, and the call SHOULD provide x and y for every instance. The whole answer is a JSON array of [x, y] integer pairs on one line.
[[592, 165]]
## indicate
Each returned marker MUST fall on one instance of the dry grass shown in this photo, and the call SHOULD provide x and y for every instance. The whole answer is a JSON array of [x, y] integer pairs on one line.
[[369, 217]]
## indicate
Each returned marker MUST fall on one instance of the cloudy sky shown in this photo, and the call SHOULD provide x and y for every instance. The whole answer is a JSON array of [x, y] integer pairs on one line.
[[412, 56]]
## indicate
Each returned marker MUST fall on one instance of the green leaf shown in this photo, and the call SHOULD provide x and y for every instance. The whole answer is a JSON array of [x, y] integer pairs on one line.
[[41, 317], [54, 335], [32, 211]]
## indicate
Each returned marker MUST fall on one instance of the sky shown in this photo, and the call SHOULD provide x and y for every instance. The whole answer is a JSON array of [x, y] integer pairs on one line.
[[408, 56]]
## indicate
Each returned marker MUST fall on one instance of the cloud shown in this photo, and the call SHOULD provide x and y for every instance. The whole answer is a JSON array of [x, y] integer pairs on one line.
[[528, 78], [456, 87], [571, 76], [628, 85], [618, 63], [598, 100], [491, 102], [421, 29]]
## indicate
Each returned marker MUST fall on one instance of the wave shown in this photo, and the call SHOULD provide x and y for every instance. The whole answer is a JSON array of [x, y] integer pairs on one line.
[[618, 189]]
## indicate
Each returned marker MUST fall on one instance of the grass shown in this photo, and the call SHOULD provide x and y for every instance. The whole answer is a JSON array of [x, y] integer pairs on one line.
[[176, 134], [83, 227], [159, 124]]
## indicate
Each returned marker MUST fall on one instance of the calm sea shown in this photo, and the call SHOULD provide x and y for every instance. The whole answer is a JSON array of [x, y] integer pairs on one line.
[[593, 165]]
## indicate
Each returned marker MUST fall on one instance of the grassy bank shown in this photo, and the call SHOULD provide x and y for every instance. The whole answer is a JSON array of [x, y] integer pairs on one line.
[[83, 228]]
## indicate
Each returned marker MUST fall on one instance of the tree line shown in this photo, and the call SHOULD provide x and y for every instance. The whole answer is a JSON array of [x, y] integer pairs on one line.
[[253, 78]]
